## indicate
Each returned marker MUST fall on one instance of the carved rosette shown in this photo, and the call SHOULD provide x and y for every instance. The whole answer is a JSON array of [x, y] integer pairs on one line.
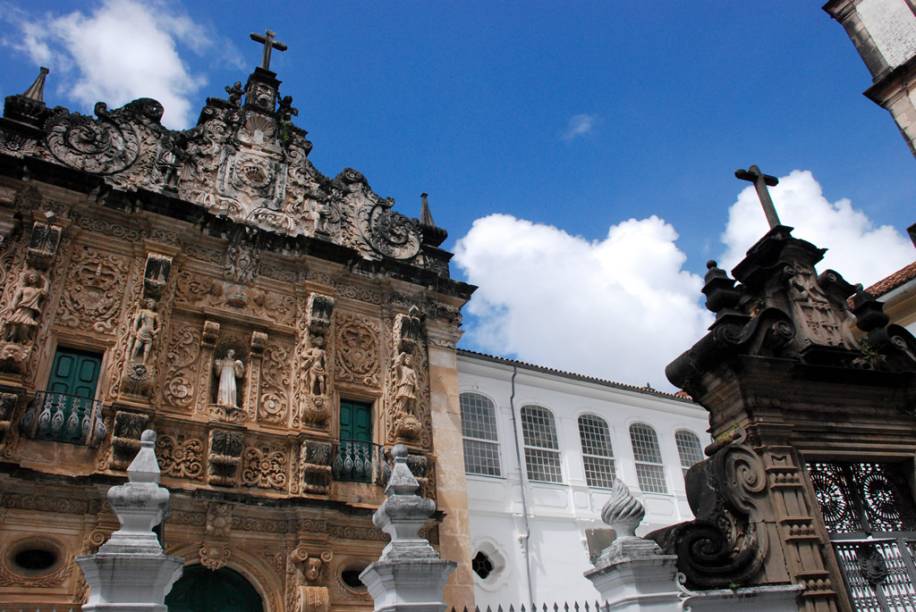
[[265, 467], [180, 455]]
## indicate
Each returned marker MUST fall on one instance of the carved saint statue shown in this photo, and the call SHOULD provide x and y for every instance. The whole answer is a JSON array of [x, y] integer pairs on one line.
[[26, 306], [228, 369], [405, 395], [145, 328], [315, 367]]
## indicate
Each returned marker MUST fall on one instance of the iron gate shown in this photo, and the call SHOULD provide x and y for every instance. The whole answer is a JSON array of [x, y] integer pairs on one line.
[[869, 512]]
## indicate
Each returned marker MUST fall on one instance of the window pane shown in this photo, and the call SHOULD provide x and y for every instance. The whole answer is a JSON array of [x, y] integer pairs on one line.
[[599, 471], [481, 458], [651, 478], [645, 444], [688, 448], [543, 465], [477, 417], [538, 428], [595, 437]]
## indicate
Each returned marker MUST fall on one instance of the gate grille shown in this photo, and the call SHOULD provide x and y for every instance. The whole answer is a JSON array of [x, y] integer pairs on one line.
[[869, 512]]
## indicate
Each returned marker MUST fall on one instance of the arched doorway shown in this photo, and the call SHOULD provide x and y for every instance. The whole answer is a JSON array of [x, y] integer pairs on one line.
[[203, 590]]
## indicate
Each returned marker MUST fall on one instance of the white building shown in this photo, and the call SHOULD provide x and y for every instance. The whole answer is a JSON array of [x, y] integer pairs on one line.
[[531, 526]]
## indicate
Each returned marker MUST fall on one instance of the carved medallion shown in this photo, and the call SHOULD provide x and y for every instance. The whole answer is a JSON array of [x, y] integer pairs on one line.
[[357, 350]]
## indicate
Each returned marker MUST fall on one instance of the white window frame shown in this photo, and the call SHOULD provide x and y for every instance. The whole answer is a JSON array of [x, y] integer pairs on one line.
[[551, 454], [597, 459], [648, 470], [485, 442]]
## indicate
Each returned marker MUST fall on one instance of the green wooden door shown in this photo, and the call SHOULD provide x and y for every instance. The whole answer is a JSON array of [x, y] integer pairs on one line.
[[67, 405], [203, 590], [75, 373], [354, 456]]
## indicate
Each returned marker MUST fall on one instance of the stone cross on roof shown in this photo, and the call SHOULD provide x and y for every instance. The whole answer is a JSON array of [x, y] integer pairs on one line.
[[761, 180], [267, 39]]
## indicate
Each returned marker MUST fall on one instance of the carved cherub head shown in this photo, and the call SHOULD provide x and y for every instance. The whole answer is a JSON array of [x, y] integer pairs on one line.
[[149, 304], [313, 569]]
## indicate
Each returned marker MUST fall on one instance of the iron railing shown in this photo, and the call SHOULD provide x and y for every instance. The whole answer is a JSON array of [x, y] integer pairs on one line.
[[575, 606], [61, 417], [357, 461]]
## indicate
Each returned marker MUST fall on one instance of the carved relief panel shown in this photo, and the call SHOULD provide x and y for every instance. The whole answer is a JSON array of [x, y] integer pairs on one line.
[[357, 350], [94, 290], [179, 386], [273, 404]]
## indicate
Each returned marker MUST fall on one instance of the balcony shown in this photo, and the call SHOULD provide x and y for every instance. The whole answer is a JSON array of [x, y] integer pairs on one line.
[[60, 417], [358, 461]]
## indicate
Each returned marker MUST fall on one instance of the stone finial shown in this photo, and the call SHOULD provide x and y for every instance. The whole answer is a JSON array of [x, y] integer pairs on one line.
[[130, 571], [404, 513], [409, 576], [426, 217], [622, 511]]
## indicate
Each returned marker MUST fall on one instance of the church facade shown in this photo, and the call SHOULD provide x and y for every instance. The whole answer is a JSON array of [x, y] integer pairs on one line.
[[280, 330]]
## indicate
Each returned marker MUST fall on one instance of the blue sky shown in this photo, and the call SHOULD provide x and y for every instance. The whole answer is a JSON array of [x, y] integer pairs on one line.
[[574, 116]]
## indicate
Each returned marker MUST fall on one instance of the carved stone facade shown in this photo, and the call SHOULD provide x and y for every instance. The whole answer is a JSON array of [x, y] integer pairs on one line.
[[231, 296]]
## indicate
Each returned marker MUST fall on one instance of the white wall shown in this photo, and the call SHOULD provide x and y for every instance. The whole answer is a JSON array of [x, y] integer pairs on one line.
[[559, 514]]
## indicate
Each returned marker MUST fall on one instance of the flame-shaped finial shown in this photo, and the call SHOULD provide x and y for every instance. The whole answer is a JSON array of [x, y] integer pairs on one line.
[[622, 511]]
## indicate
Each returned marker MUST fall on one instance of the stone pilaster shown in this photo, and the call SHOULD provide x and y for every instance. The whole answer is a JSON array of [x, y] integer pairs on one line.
[[451, 488]]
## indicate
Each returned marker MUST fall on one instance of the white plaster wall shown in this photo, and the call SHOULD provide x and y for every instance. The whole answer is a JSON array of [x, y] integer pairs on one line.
[[559, 514]]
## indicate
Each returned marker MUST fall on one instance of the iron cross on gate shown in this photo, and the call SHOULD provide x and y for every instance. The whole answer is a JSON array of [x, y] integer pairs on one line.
[[267, 39], [761, 180]]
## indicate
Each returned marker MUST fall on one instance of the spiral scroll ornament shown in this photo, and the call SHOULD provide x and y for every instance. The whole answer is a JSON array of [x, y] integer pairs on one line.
[[102, 146]]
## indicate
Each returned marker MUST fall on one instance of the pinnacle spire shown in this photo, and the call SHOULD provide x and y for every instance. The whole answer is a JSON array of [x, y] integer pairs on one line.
[[426, 217], [36, 90]]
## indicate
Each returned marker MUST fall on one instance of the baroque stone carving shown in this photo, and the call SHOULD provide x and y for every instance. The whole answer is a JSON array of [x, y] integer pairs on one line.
[[315, 466], [125, 438], [180, 456], [408, 404], [225, 456], [219, 520], [94, 290], [182, 355], [312, 387], [265, 467], [228, 370], [25, 307], [728, 543], [8, 403], [356, 350], [213, 556], [274, 403]]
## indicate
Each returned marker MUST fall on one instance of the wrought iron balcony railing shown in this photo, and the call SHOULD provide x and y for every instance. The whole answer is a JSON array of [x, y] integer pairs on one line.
[[357, 461], [61, 417]]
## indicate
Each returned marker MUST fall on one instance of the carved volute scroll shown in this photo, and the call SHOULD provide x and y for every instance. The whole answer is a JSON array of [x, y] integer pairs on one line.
[[313, 384], [21, 318], [307, 575], [734, 535]]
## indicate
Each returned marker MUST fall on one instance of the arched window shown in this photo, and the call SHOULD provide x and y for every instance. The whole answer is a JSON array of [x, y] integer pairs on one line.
[[481, 444], [689, 449], [542, 452], [597, 455], [649, 469]]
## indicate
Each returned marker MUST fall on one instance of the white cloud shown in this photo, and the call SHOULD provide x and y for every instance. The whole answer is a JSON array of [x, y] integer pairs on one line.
[[122, 50], [857, 249], [618, 308], [579, 125]]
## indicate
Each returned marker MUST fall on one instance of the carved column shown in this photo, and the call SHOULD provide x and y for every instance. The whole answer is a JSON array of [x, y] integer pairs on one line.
[[208, 341]]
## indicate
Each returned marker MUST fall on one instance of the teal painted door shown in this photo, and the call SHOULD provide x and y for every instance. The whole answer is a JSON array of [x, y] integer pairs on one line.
[[67, 405], [354, 457], [203, 590], [75, 373]]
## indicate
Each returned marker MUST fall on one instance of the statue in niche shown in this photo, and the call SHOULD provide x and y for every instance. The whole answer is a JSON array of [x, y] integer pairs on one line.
[[228, 369], [145, 329], [26, 306], [316, 368], [405, 396]]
